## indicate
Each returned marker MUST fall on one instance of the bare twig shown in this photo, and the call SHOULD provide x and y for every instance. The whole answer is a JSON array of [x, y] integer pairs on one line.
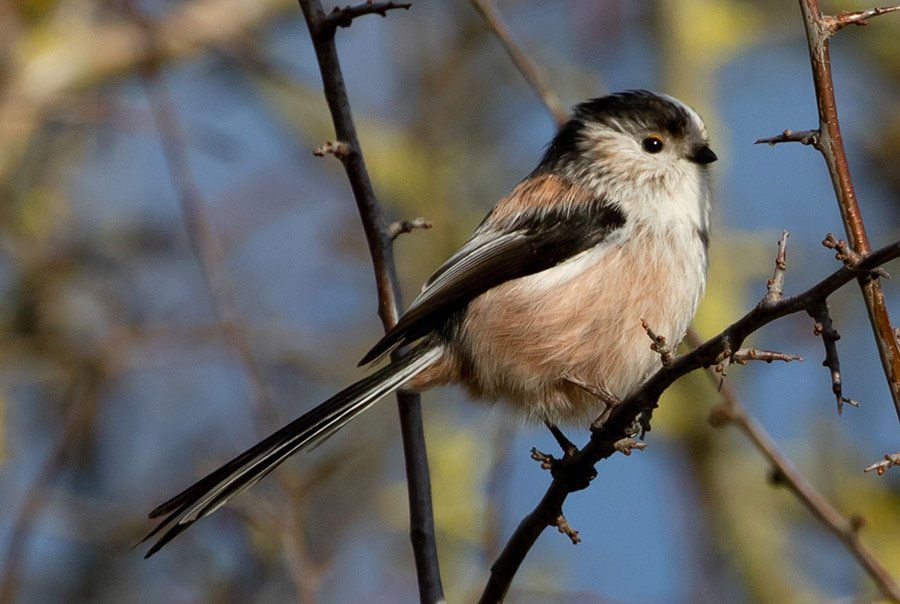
[[523, 63], [744, 355], [805, 137], [395, 229], [835, 23], [621, 418], [775, 285], [422, 531], [658, 344], [832, 148], [880, 467], [849, 257], [732, 412], [343, 17], [566, 529]]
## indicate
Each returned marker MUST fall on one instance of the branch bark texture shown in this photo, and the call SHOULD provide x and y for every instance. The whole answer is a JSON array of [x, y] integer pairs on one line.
[[422, 534], [819, 28]]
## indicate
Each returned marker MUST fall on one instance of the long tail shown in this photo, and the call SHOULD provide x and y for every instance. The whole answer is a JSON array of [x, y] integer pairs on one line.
[[210, 493]]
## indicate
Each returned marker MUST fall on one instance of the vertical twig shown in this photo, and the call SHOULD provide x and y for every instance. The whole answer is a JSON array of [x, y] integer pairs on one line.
[[422, 531], [819, 28]]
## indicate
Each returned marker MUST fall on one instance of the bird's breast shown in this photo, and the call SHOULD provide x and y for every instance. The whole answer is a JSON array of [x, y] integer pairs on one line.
[[528, 341]]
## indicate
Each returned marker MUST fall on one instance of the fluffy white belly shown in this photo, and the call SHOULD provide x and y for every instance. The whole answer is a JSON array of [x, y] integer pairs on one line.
[[580, 323]]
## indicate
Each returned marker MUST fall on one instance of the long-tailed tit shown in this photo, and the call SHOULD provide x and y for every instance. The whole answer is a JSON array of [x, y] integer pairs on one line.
[[542, 307]]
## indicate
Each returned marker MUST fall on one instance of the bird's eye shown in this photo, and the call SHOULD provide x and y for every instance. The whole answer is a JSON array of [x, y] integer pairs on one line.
[[652, 144]]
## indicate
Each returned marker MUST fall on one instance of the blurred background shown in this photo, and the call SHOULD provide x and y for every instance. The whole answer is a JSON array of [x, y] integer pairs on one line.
[[129, 130]]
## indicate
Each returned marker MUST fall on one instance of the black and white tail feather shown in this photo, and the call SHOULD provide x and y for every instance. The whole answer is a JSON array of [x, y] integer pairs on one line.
[[212, 492]]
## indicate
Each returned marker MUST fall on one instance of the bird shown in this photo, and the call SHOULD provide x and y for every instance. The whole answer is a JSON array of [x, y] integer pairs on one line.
[[544, 307]]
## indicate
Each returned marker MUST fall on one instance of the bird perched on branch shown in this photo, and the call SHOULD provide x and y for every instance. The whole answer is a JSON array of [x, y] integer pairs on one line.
[[543, 307]]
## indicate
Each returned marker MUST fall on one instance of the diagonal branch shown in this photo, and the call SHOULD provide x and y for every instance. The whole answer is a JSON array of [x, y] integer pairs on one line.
[[732, 412], [523, 63], [422, 531], [618, 426]]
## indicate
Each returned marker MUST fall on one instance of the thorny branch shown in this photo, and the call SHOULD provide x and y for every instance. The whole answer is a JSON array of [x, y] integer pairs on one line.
[[531, 526], [422, 532], [621, 417], [819, 28]]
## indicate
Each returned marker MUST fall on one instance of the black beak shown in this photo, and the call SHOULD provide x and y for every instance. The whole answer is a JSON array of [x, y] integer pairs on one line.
[[703, 155]]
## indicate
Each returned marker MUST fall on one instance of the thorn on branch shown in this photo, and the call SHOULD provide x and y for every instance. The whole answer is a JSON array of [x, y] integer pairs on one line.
[[804, 137], [880, 467], [566, 529], [835, 23], [849, 257], [775, 285], [825, 329], [659, 344], [343, 17], [339, 149], [395, 229]]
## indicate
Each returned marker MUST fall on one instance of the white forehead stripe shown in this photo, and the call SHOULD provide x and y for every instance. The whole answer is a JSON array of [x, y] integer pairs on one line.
[[695, 117]]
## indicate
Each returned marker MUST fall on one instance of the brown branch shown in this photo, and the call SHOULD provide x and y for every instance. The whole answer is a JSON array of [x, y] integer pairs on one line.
[[395, 229], [422, 531], [658, 344], [880, 467], [805, 137], [849, 257], [835, 23], [832, 148], [732, 412], [775, 285], [533, 76], [622, 417], [744, 355]]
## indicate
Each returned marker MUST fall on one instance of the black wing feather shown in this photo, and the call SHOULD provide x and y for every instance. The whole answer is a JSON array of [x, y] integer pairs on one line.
[[528, 245]]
